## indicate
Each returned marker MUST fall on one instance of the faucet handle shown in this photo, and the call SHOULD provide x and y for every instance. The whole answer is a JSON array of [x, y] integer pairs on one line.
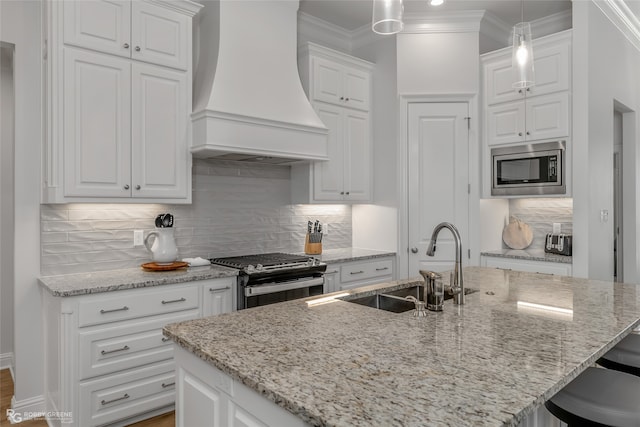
[[420, 306]]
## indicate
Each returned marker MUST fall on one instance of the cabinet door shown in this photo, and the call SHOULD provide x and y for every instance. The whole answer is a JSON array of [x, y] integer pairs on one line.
[[327, 81], [498, 83], [331, 279], [328, 176], [356, 89], [357, 154], [97, 126], [159, 35], [551, 65], [506, 123], [548, 116], [103, 25], [218, 297], [160, 132]]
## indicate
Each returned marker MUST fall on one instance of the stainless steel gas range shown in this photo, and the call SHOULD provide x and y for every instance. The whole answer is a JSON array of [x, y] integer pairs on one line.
[[275, 277]]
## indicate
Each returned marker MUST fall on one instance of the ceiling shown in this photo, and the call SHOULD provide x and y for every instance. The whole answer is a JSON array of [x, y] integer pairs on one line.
[[353, 14]]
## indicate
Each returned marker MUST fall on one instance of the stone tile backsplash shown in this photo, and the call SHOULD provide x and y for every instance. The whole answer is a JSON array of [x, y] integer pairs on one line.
[[238, 208], [541, 213]]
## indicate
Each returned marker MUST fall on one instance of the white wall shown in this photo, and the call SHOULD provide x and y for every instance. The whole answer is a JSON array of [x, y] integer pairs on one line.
[[21, 25], [6, 206], [606, 69], [383, 216]]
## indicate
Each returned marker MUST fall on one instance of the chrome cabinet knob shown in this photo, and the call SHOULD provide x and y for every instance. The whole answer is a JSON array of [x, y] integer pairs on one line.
[[528, 89], [137, 187], [347, 193], [520, 91], [137, 48], [519, 133], [528, 133], [346, 99], [126, 45], [126, 187], [342, 98], [342, 193], [414, 250]]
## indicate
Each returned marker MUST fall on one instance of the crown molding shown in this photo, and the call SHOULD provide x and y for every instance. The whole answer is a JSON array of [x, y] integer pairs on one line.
[[622, 18], [317, 29], [551, 24], [495, 29], [467, 21]]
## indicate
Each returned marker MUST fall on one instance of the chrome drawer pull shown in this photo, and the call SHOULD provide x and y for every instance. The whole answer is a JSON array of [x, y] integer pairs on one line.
[[382, 269], [226, 288], [357, 272], [125, 308], [106, 402], [103, 352], [331, 272], [168, 384], [174, 300], [165, 339]]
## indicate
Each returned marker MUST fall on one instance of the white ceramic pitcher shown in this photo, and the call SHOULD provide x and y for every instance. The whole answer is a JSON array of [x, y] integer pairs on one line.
[[163, 249]]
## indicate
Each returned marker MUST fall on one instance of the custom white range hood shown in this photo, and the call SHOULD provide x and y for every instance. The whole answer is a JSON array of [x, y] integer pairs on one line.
[[248, 100]]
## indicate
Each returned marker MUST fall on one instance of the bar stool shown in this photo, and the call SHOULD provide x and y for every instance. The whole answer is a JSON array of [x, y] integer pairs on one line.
[[598, 397], [625, 356]]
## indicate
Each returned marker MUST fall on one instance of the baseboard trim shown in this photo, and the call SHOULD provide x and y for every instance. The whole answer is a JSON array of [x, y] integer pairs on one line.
[[29, 408], [6, 362]]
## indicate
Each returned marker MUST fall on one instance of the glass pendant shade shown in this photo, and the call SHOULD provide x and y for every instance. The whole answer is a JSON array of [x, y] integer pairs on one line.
[[387, 16], [522, 56]]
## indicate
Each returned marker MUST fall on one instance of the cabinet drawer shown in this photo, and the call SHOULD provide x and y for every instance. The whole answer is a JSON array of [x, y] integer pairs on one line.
[[122, 307], [113, 349], [130, 393], [362, 271]]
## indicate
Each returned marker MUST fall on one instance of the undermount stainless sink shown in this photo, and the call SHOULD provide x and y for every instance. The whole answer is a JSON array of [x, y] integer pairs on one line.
[[395, 302]]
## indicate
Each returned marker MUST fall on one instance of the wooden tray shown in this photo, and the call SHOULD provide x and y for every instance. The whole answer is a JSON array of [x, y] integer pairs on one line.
[[152, 266]]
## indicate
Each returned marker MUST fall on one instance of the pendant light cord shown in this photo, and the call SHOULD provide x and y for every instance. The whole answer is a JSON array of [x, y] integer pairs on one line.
[[522, 11]]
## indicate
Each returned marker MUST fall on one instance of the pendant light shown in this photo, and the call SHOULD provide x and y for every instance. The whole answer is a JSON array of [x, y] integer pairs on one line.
[[387, 16], [522, 54]]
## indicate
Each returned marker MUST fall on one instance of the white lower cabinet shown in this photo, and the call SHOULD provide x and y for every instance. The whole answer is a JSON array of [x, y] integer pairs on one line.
[[530, 266], [106, 358], [206, 397], [352, 274]]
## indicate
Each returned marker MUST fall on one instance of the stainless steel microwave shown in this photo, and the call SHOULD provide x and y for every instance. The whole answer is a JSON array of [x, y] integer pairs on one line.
[[529, 169]]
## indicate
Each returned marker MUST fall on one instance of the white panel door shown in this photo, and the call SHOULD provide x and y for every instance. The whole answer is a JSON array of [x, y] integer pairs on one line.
[[97, 125], [357, 155], [199, 404], [506, 123], [327, 81], [552, 69], [356, 89], [328, 176], [159, 151], [498, 83], [438, 178], [218, 298], [103, 25], [548, 116], [159, 35]]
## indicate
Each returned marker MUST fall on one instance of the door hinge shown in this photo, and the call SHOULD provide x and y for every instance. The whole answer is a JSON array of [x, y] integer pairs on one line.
[[468, 119], [468, 188], [469, 253]]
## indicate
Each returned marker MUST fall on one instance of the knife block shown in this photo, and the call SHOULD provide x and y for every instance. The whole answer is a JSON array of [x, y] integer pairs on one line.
[[312, 248]]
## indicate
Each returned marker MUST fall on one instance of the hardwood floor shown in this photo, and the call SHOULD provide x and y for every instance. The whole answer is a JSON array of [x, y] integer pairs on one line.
[[6, 392]]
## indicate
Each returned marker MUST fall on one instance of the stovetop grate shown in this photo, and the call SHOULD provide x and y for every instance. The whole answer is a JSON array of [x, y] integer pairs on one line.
[[267, 260]]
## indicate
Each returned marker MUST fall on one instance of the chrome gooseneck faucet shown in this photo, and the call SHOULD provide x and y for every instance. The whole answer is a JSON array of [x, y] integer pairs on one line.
[[457, 284]]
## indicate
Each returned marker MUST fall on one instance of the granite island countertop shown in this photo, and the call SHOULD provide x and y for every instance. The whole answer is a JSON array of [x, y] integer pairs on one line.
[[67, 285], [490, 362], [529, 255]]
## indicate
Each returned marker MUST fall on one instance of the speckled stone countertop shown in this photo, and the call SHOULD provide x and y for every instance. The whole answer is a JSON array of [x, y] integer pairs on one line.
[[490, 362], [529, 254], [67, 285], [350, 254]]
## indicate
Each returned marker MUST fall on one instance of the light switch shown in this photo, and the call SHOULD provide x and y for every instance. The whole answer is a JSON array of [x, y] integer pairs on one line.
[[556, 228], [138, 238]]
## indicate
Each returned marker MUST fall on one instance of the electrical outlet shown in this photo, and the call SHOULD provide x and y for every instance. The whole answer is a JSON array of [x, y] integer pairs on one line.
[[138, 238], [556, 228], [325, 228]]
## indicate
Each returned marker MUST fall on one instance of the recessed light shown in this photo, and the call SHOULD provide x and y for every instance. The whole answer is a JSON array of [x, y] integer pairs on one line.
[[436, 2]]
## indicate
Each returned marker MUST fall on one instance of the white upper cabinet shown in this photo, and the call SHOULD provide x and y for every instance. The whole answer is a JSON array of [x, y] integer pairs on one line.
[[539, 112], [339, 84], [339, 88], [551, 65], [118, 101], [140, 30]]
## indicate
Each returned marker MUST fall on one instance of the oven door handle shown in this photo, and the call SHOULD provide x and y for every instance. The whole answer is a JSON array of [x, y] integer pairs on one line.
[[269, 288]]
